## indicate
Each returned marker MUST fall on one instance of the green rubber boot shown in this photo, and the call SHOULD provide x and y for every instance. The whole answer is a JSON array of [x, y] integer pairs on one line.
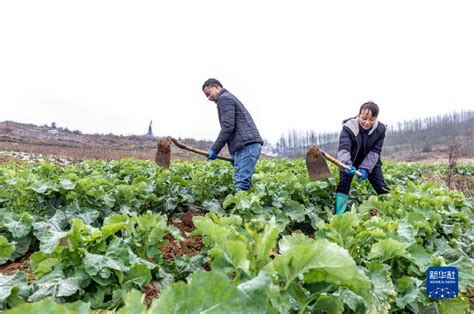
[[341, 202]]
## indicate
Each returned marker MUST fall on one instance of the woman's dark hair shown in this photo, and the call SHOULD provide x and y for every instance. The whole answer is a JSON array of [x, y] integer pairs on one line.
[[372, 107], [211, 81]]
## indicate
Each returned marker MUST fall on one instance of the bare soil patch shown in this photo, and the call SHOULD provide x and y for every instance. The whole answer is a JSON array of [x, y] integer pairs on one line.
[[22, 264], [189, 246], [151, 292]]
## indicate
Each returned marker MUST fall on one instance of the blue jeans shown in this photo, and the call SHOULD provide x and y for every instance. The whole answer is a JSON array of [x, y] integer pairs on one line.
[[244, 163]]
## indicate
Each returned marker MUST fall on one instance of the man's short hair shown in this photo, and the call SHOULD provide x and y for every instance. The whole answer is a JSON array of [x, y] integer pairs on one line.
[[210, 82]]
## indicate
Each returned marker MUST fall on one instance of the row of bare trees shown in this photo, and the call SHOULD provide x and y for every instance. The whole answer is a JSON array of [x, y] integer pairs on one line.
[[295, 142], [423, 134]]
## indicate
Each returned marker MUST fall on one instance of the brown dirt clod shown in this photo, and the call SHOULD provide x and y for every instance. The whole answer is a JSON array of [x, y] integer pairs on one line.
[[374, 212], [189, 246], [151, 292], [23, 264]]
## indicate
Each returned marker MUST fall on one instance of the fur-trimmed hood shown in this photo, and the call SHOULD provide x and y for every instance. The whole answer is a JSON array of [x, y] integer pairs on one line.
[[353, 125]]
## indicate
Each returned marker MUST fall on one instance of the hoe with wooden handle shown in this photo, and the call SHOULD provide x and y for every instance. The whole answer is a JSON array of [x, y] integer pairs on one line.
[[163, 152], [317, 166]]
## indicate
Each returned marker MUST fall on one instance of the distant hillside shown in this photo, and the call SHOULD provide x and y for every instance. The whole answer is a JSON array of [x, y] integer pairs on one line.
[[61, 141]]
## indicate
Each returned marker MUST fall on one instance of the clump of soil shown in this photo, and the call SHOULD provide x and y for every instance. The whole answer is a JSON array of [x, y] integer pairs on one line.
[[22, 264], [151, 292], [470, 297], [185, 223], [189, 246]]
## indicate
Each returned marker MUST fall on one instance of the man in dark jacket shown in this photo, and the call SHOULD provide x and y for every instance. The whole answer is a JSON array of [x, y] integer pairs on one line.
[[238, 131], [360, 146]]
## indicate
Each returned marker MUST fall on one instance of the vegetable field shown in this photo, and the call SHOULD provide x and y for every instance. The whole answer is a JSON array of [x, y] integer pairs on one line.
[[130, 237]]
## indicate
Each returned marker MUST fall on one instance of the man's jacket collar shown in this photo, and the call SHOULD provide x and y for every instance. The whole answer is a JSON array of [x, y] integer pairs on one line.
[[219, 95]]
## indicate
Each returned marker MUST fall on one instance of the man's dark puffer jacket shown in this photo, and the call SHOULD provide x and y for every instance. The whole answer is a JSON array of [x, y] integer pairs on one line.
[[237, 126]]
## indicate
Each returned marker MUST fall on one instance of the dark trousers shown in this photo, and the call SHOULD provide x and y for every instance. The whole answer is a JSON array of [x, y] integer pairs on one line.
[[375, 178]]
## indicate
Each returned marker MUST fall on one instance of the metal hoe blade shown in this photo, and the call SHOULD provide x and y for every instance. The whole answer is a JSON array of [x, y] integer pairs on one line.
[[163, 152], [316, 164]]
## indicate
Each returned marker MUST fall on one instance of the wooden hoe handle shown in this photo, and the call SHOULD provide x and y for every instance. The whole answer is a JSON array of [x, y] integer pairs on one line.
[[195, 150], [338, 163]]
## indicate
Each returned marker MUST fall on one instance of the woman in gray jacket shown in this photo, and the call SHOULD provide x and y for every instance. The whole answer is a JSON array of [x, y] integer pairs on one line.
[[360, 146]]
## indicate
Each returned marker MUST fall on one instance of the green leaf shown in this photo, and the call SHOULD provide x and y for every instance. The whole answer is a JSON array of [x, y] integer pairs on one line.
[[234, 252], [49, 306], [111, 228], [237, 252], [78, 234], [157, 233], [405, 283], [322, 261], [67, 184], [328, 304], [56, 285], [466, 273], [387, 249], [212, 292], [420, 257], [114, 219], [295, 239], [49, 239], [406, 232], [254, 293], [266, 242], [383, 292], [355, 302], [118, 260], [22, 246], [408, 291], [341, 229], [6, 248], [95, 264], [454, 306], [19, 227], [137, 276], [208, 228], [41, 187], [13, 287], [295, 211], [51, 232], [42, 264], [148, 221], [230, 249], [134, 303], [87, 215], [212, 206]]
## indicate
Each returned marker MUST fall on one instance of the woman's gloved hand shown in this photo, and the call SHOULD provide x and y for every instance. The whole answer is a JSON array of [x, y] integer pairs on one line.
[[350, 171], [364, 174]]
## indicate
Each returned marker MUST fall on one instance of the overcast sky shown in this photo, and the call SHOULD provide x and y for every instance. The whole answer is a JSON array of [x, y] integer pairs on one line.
[[112, 66]]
